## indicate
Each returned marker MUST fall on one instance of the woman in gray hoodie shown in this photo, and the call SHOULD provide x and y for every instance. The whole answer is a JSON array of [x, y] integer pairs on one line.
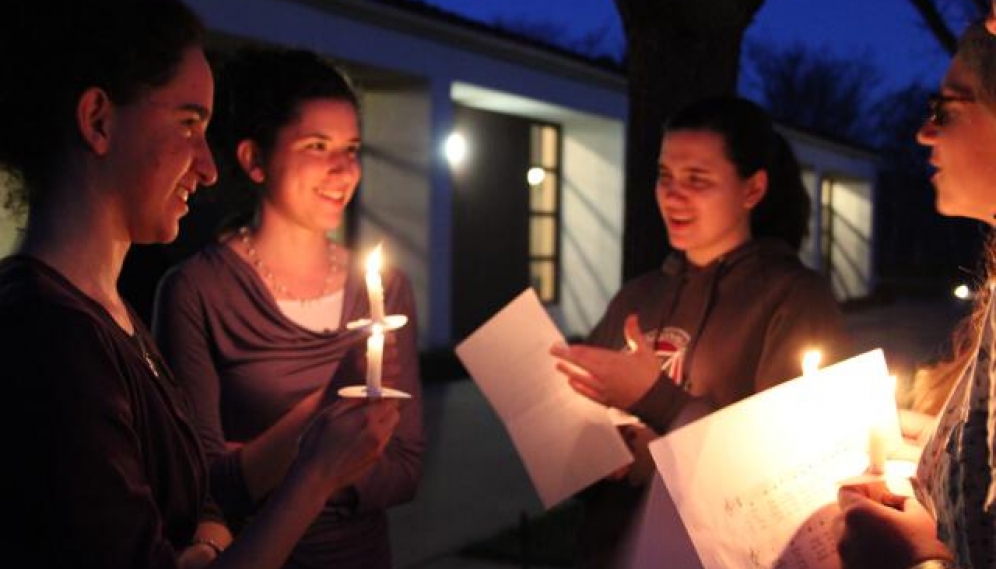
[[729, 314]]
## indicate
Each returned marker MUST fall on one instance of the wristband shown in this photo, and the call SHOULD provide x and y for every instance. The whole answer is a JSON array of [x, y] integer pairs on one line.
[[207, 541], [935, 564]]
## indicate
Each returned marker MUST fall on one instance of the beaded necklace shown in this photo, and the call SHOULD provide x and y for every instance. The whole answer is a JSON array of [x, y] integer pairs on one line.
[[281, 290]]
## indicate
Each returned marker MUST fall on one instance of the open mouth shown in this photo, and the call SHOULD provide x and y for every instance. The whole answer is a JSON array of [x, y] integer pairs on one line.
[[679, 221], [335, 195]]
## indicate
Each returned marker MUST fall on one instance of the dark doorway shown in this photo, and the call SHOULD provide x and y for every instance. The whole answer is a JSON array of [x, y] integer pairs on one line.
[[490, 216]]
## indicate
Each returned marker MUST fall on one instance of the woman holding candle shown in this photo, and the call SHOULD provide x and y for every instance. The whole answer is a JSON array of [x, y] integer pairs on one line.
[[730, 313], [254, 324], [105, 108], [952, 521]]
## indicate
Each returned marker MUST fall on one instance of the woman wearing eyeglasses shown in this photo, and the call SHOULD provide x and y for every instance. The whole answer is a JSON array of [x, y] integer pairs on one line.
[[952, 521]]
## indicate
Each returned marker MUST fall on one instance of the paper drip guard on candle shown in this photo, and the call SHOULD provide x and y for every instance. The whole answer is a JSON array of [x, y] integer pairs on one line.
[[360, 392], [391, 322]]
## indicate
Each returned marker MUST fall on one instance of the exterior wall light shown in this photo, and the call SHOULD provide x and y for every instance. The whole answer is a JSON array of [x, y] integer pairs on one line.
[[535, 176], [962, 292], [455, 148]]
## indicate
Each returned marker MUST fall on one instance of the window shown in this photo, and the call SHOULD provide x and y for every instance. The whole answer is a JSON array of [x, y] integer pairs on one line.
[[544, 211]]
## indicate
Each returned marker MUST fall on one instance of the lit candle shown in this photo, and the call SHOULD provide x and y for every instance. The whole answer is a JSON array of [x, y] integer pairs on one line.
[[375, 288], [375, 354], [811, 362]]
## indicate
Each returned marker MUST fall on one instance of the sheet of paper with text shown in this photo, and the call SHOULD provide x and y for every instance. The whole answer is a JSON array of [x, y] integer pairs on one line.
[[755, 484], [566, 441]]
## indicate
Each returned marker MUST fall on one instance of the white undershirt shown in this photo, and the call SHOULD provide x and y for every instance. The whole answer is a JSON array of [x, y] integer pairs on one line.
[[319, 315]]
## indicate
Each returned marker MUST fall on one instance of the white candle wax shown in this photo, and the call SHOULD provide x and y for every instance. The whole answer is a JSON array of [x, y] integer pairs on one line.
[[375, 288], [375, 356], [876, 451], [878, 439]]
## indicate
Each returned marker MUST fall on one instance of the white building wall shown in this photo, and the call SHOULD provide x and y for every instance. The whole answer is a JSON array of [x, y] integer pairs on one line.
[[394, 197], [592, 203], [373, 34], [851, 229], [808, 252]]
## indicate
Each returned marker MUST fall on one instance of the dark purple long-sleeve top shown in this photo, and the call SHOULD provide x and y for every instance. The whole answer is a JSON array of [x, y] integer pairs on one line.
[[102, 467], [244, 365]]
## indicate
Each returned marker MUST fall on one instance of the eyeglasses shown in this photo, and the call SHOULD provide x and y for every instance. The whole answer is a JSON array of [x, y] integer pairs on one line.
[[937, 113]]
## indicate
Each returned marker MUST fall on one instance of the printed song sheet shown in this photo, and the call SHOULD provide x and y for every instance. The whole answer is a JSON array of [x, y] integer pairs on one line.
[[756, 483], [566, 441]]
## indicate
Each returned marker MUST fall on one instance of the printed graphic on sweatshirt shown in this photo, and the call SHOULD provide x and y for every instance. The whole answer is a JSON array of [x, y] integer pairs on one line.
[[670, 348]]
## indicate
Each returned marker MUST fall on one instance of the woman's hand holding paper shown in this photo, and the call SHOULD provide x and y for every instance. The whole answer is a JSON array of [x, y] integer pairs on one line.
[[901, 532]]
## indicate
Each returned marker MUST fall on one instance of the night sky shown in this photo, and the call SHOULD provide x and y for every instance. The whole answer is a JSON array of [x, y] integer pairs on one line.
[[887, 32]]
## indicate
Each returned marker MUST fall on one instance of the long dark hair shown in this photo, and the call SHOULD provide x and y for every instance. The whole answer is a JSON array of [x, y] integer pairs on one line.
[[753, 144], [50, 54]]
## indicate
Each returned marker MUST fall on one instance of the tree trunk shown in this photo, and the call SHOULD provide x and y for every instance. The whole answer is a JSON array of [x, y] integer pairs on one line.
[[678, 51]]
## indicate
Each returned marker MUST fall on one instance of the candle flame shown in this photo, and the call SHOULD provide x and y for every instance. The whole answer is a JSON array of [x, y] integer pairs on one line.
[[374, 260], [811, 361]]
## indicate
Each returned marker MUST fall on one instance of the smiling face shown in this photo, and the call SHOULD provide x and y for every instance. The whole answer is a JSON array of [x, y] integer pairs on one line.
[[962, 137], [158, 154], [313, 169], [703, 201]]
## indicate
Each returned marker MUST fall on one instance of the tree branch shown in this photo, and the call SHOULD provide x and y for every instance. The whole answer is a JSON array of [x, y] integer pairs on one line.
[[936, 24]]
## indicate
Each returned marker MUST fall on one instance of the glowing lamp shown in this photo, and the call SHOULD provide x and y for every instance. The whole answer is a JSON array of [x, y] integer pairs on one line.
[[455, 148], [535, 176]]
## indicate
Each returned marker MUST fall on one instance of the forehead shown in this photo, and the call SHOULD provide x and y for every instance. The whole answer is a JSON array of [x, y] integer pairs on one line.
[[693, 145], [326, 113]]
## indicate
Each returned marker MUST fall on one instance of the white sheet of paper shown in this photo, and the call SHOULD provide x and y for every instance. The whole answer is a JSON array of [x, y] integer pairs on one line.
[[566, 441], [756, 483]]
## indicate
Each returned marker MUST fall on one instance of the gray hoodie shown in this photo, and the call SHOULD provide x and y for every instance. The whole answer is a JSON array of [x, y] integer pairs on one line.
[[722, 333], [727, 330]]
